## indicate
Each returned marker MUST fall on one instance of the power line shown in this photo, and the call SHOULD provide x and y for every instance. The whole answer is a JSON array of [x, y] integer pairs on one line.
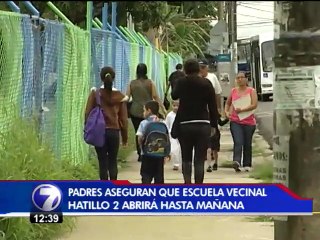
[[246, 15], [241, 4], [265, 4], [253, 23], [261, 25]]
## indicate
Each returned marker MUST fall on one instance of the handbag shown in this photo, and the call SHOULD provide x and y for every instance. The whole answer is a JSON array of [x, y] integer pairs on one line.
[[175, 129], [166, 103], [95, 126]]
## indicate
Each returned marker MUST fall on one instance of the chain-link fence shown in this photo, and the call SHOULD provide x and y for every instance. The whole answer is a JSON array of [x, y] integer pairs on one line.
[[11, 59], [47, 69]]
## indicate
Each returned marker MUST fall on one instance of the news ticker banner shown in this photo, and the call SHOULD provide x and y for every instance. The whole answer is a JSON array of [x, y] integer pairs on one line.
[[74, 198]]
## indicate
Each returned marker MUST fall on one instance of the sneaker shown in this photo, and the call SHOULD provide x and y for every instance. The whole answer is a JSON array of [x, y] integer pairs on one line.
[[175, 168], [247, 169], [215, 167], [209, 169], [236, 166]]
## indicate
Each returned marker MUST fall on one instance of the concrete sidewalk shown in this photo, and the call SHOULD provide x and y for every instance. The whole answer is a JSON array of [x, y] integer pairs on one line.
[[176, 227]]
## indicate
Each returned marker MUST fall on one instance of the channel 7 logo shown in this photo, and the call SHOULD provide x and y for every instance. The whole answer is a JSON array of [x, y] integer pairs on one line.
[[46, 197]]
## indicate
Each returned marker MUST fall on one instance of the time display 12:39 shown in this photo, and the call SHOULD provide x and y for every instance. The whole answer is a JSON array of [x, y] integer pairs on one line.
[[46, 217]]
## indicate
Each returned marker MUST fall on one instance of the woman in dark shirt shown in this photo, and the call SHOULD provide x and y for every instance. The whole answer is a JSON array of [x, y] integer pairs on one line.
[[142, 90], [196, 118]]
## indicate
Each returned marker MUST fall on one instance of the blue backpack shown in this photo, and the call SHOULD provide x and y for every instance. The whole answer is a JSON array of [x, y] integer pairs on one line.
[[156, 141]]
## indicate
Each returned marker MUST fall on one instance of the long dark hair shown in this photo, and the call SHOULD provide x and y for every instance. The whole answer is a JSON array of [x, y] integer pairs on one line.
[[191, 67], [142, 71], [107, 76]]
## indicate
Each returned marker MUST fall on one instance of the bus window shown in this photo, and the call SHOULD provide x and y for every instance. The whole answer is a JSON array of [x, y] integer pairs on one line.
[[243, 53], [267, 49], [242, 56]]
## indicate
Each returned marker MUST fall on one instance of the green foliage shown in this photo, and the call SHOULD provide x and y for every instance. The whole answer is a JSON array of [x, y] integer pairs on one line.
[[20, 228], [171, 21], [199, 29], [199, 9], [23, 157], [166, 18], [153, 12], [4, 7], [190, 36]]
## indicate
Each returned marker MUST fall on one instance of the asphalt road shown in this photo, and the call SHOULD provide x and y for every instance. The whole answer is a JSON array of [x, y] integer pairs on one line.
[[264, 115]]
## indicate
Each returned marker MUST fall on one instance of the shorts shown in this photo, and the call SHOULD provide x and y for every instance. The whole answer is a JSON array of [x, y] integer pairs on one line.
[[214, 141]]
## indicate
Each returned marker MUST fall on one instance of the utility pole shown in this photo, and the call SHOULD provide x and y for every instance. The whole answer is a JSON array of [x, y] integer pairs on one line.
[[229, 13], [221, 11], [228, 64], [297, 110], [221, 17], [232, 23]]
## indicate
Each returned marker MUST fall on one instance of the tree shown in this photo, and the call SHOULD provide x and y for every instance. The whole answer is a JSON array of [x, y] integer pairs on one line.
[[168, 22]]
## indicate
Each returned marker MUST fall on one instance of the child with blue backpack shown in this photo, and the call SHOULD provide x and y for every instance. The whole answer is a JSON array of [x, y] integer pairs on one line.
[[154, 141]]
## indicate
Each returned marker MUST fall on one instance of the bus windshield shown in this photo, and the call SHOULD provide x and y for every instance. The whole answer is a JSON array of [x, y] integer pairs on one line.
[[267, 54]]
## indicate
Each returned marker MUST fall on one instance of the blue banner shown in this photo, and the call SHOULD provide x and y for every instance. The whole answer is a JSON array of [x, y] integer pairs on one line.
[[19, 198]]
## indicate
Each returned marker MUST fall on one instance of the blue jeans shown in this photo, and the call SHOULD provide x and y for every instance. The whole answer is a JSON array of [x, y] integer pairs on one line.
[[242, 142]]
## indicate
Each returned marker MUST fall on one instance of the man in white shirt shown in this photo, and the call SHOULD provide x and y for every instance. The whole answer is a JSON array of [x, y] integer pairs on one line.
[[204, 71], [214, 143]]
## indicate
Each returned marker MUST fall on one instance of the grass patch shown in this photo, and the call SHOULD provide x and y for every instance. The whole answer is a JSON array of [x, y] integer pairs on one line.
[[24, 157], [263, 171]]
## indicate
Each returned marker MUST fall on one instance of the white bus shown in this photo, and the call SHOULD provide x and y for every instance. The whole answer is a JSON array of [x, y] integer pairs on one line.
[[262, 53]]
